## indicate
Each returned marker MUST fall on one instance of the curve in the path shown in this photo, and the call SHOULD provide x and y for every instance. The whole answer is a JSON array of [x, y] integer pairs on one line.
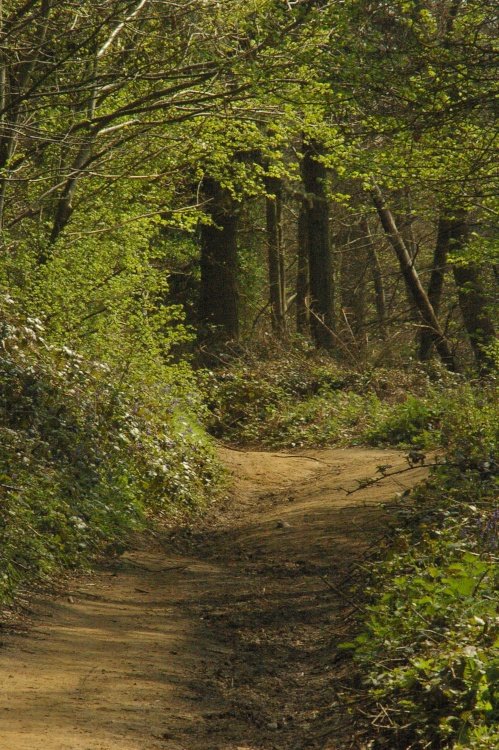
[[215, 637]]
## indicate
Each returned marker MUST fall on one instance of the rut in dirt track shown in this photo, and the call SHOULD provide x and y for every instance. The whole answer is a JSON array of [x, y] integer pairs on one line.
[[219, 637]]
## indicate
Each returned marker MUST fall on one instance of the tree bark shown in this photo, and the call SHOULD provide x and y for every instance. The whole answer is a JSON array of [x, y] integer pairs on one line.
[[411, 277], [436, 283], [302, 284], [320, 264], [353, 276], [404, 220], [377, 276], [472, 296], [473, 305], [277, 283], [218, 303]]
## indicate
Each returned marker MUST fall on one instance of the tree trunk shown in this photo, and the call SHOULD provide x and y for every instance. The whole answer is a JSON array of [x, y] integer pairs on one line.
[[472, 297], [404, 220], [64, 207], [377, 276], [353, 275], [436, 283], [302, 288], [473, 305], [411, 277], [218, 303], [277, 287], [320, 263]]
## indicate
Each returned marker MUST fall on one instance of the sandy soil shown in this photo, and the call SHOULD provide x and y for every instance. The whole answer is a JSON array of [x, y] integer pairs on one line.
[[218, 636]]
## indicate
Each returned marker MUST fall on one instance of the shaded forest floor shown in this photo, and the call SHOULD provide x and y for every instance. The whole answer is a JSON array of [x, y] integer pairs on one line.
[[219, 636]]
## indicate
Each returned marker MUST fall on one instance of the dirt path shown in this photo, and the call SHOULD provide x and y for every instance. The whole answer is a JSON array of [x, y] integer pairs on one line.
[[223, 638]]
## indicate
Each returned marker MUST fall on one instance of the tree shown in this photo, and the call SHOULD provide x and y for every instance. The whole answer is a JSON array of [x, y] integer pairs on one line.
[[471, 294], [277, 280], [319, 249], [302, 272], [218, 306], [377, 274], [423, 304], [436, 283]]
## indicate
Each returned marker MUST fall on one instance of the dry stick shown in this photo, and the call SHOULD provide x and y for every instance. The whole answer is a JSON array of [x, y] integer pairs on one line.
[[301, 455], [334, 335], [12, 487], [480, 581], [341, 593], [259, 315], [364, 484], [426, 622], [153, 570], [349, 326]]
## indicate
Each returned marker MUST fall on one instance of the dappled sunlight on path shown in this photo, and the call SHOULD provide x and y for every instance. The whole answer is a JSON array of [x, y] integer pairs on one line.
[[218, 636]]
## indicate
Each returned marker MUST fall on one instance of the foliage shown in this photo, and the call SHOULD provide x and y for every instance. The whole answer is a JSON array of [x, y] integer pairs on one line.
[[429, 646], [87, 455], [407, 423], [287, 399], [298, 398], [111, 118], [107, 132]]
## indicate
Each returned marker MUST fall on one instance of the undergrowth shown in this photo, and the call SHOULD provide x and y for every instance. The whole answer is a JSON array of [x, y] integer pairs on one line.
[[85, 459], [429, 646], [298, 399]]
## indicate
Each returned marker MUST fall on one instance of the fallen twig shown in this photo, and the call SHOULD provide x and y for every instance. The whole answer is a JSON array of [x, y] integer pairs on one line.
[[341, 593]]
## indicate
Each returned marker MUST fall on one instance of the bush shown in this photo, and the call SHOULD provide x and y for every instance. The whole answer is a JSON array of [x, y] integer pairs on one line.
[[299, 398], [84, 459], [429, 647], [407, 424]]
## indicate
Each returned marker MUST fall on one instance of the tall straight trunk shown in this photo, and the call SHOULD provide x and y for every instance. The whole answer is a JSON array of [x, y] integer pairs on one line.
[[472, 297], [436, 283], [218, 303], [320, 263], [302, 287], [282, 274], [353, 276], [7, 129], [277, 283], [473, 305], [377, 276], [412, 280]]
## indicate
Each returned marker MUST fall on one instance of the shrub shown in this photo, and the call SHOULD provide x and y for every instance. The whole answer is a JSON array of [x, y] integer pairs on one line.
[[299, 398], [407, 423], [429, 647], [84, 458]]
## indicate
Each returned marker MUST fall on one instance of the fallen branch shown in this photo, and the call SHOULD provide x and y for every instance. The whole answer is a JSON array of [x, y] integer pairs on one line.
[[369, 482]]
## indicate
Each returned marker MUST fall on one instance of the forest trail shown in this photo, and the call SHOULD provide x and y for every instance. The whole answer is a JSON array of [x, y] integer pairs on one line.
[[216, 637]]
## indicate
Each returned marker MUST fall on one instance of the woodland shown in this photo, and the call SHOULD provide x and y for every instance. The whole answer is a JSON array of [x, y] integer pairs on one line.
[[271, 223]]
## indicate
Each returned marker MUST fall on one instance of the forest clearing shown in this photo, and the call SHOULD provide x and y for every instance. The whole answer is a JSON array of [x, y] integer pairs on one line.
[[248, 375]]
